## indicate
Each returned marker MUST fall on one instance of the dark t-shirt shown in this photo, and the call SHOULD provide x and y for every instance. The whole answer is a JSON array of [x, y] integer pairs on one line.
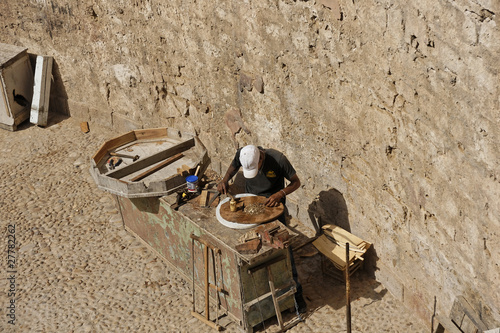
[[271, 177]]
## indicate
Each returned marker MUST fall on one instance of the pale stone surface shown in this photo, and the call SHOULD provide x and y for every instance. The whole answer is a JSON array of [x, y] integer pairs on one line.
[[77, 269], [394, 104]]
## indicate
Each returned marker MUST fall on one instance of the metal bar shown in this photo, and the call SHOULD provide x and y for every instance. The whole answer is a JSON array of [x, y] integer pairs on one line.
[[216, 288], [192, 267], [207, 286], [347, 289]]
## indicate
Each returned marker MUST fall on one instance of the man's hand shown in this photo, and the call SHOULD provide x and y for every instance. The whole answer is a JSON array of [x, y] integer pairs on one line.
[[223, 187], [275, 199]]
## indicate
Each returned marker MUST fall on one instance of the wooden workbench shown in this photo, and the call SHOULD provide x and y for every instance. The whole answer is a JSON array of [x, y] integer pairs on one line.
[[168, 232]]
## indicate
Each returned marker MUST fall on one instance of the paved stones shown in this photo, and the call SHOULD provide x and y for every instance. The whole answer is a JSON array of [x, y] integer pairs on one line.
[[79, 270]]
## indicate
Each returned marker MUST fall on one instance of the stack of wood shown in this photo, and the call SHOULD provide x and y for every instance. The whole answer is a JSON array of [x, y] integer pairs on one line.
[[332, 244]]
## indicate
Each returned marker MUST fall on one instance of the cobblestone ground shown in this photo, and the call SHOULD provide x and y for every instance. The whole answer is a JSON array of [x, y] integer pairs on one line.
[[77, 270]]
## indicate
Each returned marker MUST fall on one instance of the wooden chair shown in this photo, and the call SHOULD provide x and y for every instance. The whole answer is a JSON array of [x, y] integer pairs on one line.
[[332, 244]]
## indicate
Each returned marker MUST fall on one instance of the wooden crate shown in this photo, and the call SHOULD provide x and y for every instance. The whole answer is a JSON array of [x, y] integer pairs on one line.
[[16, 86]]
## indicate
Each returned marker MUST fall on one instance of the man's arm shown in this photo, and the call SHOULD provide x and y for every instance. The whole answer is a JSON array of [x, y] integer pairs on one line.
[[223, 186], [274, 200]]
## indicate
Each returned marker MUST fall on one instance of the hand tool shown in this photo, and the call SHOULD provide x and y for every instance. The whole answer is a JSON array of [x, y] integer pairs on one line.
[[217, 194], [134, 158], [181, 199], [114, 162]]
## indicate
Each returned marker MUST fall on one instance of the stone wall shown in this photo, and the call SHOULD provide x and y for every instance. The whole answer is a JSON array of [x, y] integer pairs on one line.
[[389, 110]]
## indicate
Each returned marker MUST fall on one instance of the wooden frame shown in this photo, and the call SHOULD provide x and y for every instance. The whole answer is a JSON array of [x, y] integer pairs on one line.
[[163, 151]]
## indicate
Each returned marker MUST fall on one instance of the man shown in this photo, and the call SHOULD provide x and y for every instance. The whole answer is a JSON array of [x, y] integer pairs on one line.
[[265, 171]]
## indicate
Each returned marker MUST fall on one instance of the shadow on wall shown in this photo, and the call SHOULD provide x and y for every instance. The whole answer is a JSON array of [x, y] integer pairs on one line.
[[58, 95], [330, 207]]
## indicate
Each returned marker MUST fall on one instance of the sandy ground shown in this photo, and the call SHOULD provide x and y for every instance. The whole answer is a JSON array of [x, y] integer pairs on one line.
[[68, 265]]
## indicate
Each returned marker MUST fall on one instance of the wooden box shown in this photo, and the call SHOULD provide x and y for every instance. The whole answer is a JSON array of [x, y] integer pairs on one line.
[[16, 86]]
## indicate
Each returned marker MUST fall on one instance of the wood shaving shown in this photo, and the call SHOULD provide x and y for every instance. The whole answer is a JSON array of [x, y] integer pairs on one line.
[[254, 209]]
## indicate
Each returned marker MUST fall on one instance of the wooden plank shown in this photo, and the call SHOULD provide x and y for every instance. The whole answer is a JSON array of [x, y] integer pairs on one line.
[[150, 160], [16, 83], [84, 126], [446, 325], [464, 316], [332, 251], [275, 301], [144, 134], [157, 167], [41, 91], [344, 236], [203, 198], [184, 171], [10, 53], [112, 144]]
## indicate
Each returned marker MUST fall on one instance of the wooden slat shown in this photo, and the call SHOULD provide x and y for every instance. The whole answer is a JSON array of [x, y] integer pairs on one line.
[[332, 251], [464, 316], [150, 133], [10, 54], [285, 295], [150, 160], [203, 198], [41, 91], [157, 167], [446, 325], [84, 126], [344, 236], [112, 144]]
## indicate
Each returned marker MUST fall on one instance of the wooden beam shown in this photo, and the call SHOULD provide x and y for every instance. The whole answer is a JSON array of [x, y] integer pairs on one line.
[[150, 160], [149, 133], [157, 167], [41, 91], [112, 144]]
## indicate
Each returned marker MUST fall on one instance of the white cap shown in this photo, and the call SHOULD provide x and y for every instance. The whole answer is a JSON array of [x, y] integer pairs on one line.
[[249, 159]]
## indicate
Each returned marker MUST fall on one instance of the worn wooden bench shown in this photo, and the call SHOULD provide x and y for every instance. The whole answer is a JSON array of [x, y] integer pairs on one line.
[[463, 319]]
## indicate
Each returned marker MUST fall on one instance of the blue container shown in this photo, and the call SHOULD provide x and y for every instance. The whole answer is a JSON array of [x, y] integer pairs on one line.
[[192, 183]]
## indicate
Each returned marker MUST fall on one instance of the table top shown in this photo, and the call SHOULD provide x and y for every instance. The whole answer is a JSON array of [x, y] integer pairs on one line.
[[265, 214], [206, 219]]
